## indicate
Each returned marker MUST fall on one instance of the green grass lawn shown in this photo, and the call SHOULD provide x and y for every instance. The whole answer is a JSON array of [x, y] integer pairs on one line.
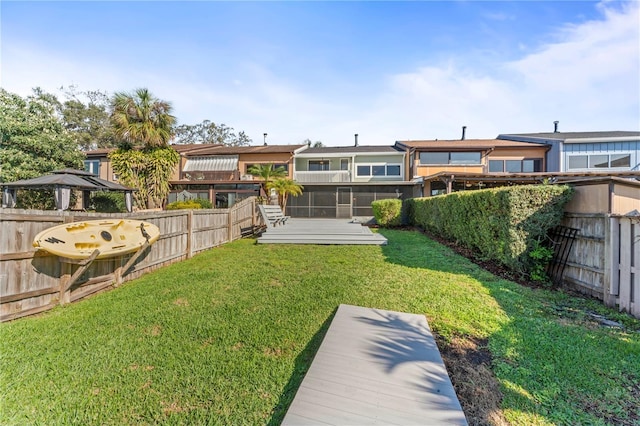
[[226, 337]]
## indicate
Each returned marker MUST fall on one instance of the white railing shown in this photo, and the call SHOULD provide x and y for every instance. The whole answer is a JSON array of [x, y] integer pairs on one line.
[[331, 176]]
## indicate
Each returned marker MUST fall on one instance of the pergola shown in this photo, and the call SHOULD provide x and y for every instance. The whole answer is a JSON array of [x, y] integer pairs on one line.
[[62, 182]]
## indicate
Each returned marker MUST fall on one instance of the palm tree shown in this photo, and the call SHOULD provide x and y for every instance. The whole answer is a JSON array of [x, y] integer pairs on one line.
[[267, 173], [141, 118], [285, 187], [142, 121]]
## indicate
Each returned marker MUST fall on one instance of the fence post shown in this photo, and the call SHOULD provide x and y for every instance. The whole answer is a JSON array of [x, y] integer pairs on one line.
[[230, 225], [253, 213], [189, 234], [610, 280], [65, 277]]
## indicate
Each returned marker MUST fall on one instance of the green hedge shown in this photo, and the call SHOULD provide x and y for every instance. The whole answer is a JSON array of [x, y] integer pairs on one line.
[[502, 224], [196, 203], [108, 202], [388, 213]]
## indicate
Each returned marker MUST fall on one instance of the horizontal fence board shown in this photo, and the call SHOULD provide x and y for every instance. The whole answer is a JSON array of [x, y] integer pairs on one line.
[[28, 294]]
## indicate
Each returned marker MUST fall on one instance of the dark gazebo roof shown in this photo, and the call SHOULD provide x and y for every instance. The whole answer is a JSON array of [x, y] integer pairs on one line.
[[69, 178]]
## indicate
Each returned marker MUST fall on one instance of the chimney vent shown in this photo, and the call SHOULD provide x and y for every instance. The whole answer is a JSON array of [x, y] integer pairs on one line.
[[555, 126], [464, 132], [356, 137], [265, 139]]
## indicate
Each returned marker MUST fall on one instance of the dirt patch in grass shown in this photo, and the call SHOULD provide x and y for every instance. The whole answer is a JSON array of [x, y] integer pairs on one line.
[[468, 362]]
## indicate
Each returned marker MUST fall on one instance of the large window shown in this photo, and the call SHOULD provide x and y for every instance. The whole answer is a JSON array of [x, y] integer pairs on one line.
[[515, 166], [319, 165], [378, 170], [455, 157], [92, 166], [599, 161]]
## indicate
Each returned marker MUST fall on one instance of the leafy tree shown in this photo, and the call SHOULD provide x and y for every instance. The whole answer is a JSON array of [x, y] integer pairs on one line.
[[316, 144], [267, 173], [86, 116], [285, 187], [144, 160], [209, 132], [33, 142]]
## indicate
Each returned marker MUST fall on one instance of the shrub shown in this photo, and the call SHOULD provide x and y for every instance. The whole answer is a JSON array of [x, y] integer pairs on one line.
[[108, 202], [184, 205], [204, 203], [502, 224], [388, 213], [539, 256]]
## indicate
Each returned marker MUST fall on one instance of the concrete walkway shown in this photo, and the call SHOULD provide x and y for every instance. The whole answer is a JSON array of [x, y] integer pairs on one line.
[[376, 367], [321, 231]]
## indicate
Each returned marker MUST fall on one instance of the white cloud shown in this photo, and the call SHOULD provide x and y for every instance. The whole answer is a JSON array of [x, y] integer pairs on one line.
[[588, 79]]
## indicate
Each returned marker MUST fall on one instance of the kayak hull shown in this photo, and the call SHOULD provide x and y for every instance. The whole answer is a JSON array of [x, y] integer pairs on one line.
[[112, 237]]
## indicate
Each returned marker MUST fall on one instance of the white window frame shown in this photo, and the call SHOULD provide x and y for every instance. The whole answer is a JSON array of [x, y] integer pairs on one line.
[[608, 154], [371, 165]]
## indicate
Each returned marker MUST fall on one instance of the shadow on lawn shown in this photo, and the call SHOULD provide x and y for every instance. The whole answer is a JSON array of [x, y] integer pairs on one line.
[[541, 392], [302, 364]]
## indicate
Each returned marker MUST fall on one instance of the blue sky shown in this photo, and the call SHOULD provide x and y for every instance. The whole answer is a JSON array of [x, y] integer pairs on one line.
[[326, 70]]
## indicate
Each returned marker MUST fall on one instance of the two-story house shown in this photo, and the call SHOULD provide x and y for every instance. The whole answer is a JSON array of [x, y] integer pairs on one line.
[[457, 165], [587, 152], [217, 173], [221, 173], [341, 182]]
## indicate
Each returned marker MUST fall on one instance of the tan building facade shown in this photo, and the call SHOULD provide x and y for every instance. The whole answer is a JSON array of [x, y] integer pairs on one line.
[[453, 165]]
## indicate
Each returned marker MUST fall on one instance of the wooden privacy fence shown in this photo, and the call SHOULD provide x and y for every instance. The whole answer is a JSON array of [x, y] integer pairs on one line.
[[623, 264], [34, 281], [604, 259]]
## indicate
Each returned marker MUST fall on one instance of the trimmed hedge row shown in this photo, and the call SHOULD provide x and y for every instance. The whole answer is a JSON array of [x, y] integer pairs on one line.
[[195, 203], [502, 224], [388, 213]]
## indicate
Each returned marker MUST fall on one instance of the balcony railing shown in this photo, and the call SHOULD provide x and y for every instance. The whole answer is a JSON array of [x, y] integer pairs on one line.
[[331, 176]]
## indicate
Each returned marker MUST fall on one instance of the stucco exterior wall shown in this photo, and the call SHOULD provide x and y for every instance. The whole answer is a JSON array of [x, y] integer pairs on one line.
[[589, 199], [626, 199]]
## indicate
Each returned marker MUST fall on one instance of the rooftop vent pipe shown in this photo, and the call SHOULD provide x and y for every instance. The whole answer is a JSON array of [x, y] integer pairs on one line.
[[464, 132], [265, 139], [356, 137], [555, 126]]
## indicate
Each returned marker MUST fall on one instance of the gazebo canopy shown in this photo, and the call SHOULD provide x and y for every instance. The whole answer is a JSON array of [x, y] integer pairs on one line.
[[63, 181]]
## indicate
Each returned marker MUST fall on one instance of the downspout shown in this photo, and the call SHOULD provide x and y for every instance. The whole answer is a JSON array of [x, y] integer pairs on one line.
[[611, 195], [486, 155]]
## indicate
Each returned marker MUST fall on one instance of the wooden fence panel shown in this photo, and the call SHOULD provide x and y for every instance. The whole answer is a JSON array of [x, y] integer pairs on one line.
[[626, 258], [31, 281], [585, 270], [604, 259]]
